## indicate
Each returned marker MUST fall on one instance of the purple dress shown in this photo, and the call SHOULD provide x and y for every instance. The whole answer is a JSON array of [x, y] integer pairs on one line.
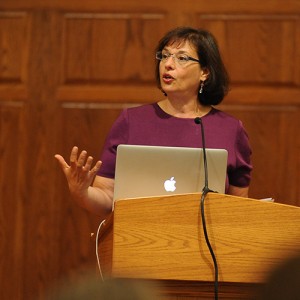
[[150, 125]]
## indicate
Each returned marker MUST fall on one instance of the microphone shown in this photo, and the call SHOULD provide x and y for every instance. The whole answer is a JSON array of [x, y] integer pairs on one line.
[[206, 189]]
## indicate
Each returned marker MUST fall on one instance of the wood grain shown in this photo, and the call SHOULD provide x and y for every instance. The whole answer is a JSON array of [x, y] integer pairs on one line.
[[161, 237]]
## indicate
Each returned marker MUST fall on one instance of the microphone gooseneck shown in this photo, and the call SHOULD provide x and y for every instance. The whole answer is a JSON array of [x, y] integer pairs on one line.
[[206, 190]]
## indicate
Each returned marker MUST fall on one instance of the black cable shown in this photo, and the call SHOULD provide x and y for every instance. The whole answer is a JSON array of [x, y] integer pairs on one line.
[[204, 193]]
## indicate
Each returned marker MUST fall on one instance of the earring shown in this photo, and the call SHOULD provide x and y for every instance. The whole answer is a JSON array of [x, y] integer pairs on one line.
[[201, 87]]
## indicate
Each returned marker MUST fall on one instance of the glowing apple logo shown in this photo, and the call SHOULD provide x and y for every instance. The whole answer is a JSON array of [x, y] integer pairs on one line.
[[170, 185]]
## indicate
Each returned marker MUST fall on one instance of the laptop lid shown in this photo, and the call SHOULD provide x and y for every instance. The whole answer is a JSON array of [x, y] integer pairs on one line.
[[144, 171]]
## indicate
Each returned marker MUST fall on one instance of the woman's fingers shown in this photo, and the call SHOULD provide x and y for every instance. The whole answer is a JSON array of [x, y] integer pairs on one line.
[[77, 161], [80, 164], [61, 161], [82, 159], [96, 168], [88, 164], [73, 156]]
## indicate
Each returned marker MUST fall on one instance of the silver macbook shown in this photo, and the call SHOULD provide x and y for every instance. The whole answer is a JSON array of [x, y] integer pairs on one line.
[[144, 171]]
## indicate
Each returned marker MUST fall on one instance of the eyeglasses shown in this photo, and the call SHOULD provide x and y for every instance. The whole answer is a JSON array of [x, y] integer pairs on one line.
[[179, 58]]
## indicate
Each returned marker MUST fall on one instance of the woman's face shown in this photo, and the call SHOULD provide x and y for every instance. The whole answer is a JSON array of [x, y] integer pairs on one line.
[[181, 78]]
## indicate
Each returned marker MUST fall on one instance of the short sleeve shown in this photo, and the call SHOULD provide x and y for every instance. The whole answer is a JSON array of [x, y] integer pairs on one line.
[[240, 176], [117, 135]]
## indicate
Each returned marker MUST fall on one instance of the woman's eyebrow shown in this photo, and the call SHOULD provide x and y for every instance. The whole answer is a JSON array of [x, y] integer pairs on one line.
[[180, 51]]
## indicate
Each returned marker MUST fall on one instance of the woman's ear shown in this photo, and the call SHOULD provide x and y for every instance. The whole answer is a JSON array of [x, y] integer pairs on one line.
[[204, 74]]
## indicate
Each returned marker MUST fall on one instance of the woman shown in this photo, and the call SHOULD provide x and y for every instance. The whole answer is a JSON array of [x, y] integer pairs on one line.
[[192, 76]]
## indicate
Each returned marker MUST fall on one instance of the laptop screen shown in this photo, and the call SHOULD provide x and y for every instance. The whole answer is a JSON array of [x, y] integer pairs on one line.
[[145, 171]]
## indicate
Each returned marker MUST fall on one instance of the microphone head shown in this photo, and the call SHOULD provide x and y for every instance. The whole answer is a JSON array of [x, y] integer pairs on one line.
[[198, 120]]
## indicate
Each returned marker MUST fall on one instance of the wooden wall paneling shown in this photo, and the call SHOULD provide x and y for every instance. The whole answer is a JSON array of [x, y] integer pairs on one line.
[[247, 42], [274, 139], [230, 6], [13, 56], [41, 214], [13, 38], [11, 201], [110, 47], [109, 50], [289, 160], [296, 58], [261, 52]]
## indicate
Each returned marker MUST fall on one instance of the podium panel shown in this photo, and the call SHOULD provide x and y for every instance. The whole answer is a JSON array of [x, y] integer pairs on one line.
[[161, 239]]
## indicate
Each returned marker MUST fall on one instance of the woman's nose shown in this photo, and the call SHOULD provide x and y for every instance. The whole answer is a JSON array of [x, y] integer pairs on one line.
[[170, 61]]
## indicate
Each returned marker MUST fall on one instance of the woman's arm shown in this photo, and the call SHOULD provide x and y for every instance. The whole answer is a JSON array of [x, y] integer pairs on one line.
[[238, 191]]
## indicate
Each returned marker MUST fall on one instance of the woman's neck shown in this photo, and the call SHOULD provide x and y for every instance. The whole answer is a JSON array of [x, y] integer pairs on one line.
[[181, 109]]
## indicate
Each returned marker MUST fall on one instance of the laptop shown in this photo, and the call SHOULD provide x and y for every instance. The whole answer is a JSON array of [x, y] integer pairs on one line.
[[145, 171]]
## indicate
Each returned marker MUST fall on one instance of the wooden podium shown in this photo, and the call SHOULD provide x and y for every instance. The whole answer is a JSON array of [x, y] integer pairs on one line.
[[161, 239]]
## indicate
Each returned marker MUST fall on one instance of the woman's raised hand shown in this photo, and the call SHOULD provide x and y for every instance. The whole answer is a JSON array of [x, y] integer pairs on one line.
[[80, 173]]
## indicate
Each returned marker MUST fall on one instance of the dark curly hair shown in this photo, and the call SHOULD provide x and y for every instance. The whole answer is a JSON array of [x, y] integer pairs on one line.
[[217, 84]]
